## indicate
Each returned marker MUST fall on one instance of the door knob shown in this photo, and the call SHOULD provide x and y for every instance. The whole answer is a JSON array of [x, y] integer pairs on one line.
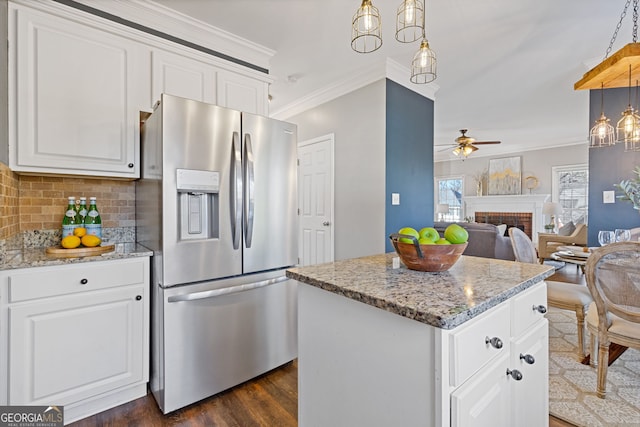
[[326, 223]]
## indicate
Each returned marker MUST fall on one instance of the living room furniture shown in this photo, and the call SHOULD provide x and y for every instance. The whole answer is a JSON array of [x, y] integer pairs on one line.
[[485, 240], [566, 296], [548, 242], [614, 316]]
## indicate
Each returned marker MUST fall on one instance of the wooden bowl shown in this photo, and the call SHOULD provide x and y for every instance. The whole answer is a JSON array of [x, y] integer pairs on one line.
[[435, 257]]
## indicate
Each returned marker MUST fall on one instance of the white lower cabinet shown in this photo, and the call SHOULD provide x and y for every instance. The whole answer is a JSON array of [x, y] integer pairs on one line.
[[77, 335], [510, 386], [389, 370]]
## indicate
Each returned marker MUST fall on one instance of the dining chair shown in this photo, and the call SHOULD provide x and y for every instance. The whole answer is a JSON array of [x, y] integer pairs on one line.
[[565, 296], [613, 277]]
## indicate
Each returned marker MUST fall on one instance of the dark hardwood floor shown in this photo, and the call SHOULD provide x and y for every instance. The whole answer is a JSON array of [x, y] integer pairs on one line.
[[267, 401]]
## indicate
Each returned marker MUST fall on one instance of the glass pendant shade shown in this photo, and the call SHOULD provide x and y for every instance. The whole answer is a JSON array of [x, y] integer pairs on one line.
[[409, 21], [628, 125], [423, 66], [465, 150], [602, 133], [366, 28]]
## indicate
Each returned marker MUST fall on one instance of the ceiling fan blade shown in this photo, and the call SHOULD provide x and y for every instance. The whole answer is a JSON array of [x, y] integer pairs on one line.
[[487, 142], [450, 147]]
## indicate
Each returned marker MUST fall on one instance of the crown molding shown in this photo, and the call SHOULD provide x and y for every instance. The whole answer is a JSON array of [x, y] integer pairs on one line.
[[389, 69], [161, 18]]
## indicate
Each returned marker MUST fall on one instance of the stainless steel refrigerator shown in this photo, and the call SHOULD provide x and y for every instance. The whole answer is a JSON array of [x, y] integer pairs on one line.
[[217, 204]]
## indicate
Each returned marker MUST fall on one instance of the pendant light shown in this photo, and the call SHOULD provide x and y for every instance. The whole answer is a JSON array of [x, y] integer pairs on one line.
[[627, 126], [366, 28], [602, 132], [366, 35], [423, 66], [409, 21], [633, 144]]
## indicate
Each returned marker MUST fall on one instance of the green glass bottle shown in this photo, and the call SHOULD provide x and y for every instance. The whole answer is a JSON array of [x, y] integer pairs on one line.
[[83, 209], [93, 222], [70, 220]]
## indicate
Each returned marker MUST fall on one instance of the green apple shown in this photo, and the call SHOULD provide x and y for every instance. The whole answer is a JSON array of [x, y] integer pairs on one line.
[[426, 241], [409, 231], [442, 241], [429, 233], [456, 234]]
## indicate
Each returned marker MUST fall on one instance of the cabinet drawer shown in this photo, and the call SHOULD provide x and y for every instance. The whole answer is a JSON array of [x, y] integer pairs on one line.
[[468, 347], [523, 314], [68, 279]]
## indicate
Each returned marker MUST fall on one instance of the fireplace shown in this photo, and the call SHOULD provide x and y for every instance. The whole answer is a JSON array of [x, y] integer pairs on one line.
[[521, 220], [504, 210]]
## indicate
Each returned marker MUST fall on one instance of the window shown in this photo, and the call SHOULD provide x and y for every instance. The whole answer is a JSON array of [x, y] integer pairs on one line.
[[570, 186], [449, 191]]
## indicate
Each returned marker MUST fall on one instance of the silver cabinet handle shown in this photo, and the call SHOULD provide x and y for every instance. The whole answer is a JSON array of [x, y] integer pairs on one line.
[[540, 309], [528, 358], [326, 223], [495, 342], [515, 374]]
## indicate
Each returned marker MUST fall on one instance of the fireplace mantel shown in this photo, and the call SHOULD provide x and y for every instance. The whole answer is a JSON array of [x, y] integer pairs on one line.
[[510, 203]]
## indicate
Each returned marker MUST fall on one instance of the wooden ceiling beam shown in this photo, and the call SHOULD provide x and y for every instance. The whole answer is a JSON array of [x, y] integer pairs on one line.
[[613, 71]]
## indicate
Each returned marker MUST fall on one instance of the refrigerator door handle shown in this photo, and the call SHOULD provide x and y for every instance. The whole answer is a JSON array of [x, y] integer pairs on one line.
[[226, 291], [236, 191], [249, 199]]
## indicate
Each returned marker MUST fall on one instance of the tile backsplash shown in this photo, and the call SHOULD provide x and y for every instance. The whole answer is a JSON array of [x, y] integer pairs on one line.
[[33, 206]]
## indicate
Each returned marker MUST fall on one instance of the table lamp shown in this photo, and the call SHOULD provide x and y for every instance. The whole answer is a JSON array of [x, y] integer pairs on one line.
[[441, 210], [552, 209]]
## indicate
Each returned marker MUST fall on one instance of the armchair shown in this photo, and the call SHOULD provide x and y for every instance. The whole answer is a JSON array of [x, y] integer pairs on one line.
[[548, 243]]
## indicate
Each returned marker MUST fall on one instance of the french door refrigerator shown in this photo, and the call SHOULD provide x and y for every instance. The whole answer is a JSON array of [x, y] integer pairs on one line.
[[217, 204]]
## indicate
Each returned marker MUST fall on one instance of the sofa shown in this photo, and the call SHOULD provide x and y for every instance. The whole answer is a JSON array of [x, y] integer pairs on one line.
[[485, 240]]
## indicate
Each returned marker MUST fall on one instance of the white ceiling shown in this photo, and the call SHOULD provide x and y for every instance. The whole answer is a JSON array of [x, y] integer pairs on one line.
[[506, 68]]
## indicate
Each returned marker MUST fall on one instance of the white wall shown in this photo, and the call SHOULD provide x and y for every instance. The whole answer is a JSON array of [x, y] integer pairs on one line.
[[537, 163], [358, 121]]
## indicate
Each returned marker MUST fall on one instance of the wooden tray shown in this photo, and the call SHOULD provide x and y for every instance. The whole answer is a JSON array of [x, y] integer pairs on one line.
[[60, 252]]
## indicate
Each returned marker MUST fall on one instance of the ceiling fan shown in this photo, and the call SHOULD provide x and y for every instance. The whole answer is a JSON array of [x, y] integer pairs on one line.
[[466, 145]]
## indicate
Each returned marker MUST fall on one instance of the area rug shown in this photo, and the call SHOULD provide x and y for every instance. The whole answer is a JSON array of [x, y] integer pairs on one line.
[[572, 385]]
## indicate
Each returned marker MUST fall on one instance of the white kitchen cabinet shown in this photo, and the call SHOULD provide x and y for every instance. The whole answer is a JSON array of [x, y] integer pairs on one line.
[[243, 93], [75, 94], [395, 371], [510, 388], [78, 335], [182, 76]]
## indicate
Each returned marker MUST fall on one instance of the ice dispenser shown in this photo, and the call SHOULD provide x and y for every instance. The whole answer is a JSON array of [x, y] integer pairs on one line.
[[198, 203]]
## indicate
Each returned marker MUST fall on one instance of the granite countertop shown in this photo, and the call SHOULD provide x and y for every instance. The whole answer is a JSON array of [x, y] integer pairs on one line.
[[444, 300], [37, 257]]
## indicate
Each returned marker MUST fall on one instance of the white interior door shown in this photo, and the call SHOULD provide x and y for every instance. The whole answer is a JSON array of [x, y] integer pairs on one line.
[[315, 198]]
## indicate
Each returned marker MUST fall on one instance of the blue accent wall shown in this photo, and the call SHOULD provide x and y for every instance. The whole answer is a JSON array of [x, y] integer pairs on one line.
[[409, 159], [608, 166]]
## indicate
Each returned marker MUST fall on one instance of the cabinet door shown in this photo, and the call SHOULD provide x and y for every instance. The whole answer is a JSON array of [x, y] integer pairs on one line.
[[77, 92], [483, 401], [182, 76], [65, 349], [531, 394], [242, 93]]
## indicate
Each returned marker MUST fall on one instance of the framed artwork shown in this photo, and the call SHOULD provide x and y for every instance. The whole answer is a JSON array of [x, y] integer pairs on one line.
[[505, 176]]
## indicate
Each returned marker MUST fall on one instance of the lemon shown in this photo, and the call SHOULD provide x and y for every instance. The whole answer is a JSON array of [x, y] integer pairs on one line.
[[79, 231], [70, 242], [90, 240]]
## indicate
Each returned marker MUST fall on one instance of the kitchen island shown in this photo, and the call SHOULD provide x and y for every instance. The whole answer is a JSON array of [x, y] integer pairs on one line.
[[382, 345]]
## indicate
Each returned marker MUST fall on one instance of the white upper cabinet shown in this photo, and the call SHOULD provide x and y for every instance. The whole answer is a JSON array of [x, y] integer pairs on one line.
[[78, 82], [77, 92], [182, 76], [242, 93]]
